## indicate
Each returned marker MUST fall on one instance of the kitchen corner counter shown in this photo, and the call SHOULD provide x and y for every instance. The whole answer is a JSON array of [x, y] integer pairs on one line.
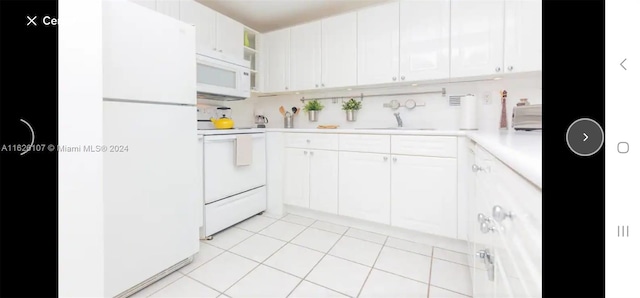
[[403, 131], [519, 150]]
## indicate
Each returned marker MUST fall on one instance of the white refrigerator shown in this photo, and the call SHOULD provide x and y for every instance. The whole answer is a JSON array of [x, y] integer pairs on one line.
[[151, 188]]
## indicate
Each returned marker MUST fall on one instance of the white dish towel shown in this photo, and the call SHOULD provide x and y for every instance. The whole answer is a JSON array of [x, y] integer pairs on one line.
[[244, 150]]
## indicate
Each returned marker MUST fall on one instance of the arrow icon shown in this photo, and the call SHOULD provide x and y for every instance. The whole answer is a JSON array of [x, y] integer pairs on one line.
[[625, 59], [585, 136]]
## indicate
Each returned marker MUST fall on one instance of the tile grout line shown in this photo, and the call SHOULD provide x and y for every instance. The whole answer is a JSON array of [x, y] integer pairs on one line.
[[314, 266], [372, 266], [324, 254], [158, 290], [465, 295], [223, 251], [261, 263], [430, 270]]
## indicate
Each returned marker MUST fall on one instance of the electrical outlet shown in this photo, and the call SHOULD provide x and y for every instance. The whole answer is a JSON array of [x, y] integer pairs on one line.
[[486, 97]]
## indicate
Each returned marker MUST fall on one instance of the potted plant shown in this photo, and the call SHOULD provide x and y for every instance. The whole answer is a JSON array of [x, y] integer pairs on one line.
[[351, 106], [312, 107]]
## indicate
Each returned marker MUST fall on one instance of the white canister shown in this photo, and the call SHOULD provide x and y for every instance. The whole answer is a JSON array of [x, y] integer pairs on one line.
[[468, 112]]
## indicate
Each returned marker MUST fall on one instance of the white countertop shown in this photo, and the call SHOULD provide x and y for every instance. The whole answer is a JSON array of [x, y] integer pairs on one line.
[[519, 150], [229, 131]]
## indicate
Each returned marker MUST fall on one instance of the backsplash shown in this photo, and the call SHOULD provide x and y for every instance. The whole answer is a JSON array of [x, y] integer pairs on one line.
[[436, 112]]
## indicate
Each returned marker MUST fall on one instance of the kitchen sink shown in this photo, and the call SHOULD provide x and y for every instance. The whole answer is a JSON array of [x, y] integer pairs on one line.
[[395, 128]]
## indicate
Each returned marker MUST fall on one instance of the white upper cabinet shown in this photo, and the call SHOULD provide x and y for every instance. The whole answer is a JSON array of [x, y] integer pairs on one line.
[[423, 194], [204, 19], [523, 35], [378, 44], [340, 51], [229, 37], [169, 7], [477, 37], [424, 40], [305, 56], [277, 53]]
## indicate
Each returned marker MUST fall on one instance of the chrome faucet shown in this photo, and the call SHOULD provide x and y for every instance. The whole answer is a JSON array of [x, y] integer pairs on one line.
[[398, 119]]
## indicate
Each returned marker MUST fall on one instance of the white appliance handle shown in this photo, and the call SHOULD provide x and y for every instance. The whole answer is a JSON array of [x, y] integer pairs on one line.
[[213, 139]]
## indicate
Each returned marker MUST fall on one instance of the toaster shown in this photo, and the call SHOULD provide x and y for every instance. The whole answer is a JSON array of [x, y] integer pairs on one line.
[[527, 117]]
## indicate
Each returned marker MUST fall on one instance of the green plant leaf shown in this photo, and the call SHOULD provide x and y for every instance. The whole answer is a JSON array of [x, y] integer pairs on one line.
[[352, 104], [313, 105]]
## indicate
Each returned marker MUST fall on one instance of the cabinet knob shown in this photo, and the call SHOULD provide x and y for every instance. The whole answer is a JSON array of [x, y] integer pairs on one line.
[[482, 218], [322, 84], [498, 69], [499, 214], [385, 158], [220, 51], [308, 141], [475, 168], [305, 153], [286, 88], [486, 227], [311, 153], [510, 68], [402, 78], [394, 78], [215, 49], [395, 159]]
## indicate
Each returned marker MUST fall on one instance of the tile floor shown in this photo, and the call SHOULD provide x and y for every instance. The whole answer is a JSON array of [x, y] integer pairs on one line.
[[295, 256]]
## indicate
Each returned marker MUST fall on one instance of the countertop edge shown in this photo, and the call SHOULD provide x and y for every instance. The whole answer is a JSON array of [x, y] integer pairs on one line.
[[520, 162]]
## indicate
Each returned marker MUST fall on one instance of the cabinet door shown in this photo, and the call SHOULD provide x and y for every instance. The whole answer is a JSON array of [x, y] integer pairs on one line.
[[378, 44], [423, 194], [340, 51], [229, 37], [151, 4], [523, 35], [323, 181], [484, 184], [296, 177], [424, 40], [169, 7], [277, 64], [477, 37], [364, 187], [305, 56], [204, 19]]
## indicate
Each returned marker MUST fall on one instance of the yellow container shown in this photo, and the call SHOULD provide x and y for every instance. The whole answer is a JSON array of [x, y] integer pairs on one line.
[[222, 123]]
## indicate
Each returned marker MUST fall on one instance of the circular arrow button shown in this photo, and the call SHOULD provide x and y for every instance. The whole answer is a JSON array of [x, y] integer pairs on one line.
[[585, 137]]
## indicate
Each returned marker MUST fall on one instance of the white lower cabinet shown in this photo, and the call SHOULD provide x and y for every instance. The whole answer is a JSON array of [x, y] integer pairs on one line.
[[423, 194], [505, 215], [323, 181], [311, 179], [296, 177], [364, 187]]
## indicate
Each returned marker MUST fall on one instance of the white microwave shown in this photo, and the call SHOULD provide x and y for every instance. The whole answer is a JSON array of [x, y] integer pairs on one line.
[[222, 78]]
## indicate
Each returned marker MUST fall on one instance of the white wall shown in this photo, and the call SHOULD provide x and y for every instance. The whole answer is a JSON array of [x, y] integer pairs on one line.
[[435, 114]]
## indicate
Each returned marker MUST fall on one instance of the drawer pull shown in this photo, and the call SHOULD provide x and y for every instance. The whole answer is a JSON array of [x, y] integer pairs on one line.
[[499, 214], [486, 228]]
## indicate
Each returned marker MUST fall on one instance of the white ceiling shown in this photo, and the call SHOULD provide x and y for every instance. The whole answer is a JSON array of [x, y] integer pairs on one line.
[[269, 15]]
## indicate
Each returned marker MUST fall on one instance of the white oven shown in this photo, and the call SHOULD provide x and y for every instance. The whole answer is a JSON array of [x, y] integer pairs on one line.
[[221, 78], [232, 193]]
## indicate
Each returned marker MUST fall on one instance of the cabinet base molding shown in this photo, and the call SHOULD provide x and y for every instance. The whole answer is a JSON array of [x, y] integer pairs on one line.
[[429, 239]]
